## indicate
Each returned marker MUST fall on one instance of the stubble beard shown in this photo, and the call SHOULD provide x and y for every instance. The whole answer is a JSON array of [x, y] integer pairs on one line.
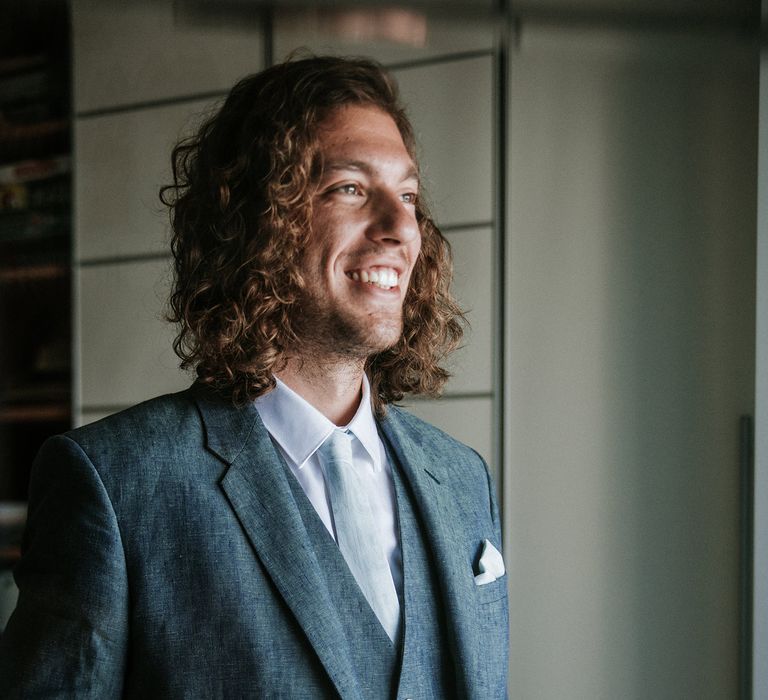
[[333, 334]]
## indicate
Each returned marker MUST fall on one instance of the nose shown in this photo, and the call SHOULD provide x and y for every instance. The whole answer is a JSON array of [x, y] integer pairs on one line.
[[393, 222]]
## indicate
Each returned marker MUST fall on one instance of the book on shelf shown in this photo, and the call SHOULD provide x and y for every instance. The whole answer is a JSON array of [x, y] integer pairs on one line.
[[24, 86], [34, 169], [33, 140], [35, 199], [22, 62], [34, 107], [32, 225], [50, 193]]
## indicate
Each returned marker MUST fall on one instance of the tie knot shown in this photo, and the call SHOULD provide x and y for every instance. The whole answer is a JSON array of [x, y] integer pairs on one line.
[[338, 447]]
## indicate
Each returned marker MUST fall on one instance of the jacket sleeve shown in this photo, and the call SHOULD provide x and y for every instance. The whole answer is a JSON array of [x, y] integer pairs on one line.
[[67, 637]]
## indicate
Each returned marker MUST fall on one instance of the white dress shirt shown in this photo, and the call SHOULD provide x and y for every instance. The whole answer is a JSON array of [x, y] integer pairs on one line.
[[299, 429]]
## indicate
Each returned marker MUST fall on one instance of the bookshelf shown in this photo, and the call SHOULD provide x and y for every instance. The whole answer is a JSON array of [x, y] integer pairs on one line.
[[35, 247]]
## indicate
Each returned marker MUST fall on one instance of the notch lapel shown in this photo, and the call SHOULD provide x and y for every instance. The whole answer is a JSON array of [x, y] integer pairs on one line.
[[421, 465], [256, 485]]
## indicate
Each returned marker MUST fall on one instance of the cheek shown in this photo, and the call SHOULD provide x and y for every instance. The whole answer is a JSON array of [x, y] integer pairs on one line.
[[315, 267], [415, 251], [416, 247], [329, 240], [318, 247]]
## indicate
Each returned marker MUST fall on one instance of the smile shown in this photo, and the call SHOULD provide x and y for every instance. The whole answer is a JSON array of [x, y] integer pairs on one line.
[[382, 277]]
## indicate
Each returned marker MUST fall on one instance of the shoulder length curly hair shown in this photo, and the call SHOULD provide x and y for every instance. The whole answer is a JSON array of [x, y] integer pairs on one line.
[[240, 214]]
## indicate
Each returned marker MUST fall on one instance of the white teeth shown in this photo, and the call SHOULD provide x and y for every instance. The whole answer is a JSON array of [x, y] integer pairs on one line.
[[384, 278]]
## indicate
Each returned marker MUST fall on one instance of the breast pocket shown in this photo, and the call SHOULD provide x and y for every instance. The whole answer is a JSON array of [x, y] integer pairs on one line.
[[490, 592]]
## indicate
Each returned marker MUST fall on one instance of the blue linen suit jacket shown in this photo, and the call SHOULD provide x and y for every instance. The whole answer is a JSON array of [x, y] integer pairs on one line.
[[165, 557]]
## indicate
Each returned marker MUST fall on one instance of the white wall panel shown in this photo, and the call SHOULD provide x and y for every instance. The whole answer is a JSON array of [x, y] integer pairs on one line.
[[122, 160], [469, 420], [451, 107], [630, 354], [390, 35], [126, 351], [471, 364], [144, 50]]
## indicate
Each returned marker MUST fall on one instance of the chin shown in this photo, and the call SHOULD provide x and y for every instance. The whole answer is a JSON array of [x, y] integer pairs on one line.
[[339, 332], [366, 339], [386, 333]]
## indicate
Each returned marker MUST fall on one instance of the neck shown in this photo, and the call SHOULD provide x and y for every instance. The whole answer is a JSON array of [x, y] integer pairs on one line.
[[333, 388]]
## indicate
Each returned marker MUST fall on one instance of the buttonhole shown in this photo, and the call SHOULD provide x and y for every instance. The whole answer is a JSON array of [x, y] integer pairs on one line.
[[432, 475]]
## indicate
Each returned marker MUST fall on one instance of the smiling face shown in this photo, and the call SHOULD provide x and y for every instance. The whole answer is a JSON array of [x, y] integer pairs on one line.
[[364, 237]]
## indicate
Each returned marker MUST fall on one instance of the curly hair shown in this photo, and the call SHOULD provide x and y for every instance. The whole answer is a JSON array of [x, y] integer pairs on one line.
[[240, 207]]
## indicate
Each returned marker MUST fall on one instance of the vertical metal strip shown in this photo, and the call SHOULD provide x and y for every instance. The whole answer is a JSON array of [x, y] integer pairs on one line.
[[501, 83], [268, 31], [746, 566]]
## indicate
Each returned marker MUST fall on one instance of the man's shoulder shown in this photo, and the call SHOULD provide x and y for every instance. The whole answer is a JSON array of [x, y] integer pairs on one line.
[[155, 421], [446, 459], [426, 434]]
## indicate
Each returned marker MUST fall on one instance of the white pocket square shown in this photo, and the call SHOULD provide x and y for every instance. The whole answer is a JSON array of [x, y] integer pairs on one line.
[[490, 566]]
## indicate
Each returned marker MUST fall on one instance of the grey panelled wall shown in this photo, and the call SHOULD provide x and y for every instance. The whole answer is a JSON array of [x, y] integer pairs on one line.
[[144, 51], [126, 351], [630, 340], [455, 136], [353, 34], [143, 76], [456, 139], [123, 200]]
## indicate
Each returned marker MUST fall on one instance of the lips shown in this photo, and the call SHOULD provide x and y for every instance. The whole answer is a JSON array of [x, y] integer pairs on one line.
[[379, 276]]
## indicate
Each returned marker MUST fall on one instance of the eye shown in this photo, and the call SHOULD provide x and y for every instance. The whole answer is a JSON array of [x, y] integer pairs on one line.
[[349, 188], [409, 197]]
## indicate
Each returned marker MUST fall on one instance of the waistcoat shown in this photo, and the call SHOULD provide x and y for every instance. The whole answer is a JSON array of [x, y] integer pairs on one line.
[[427, 666], [421, 667]]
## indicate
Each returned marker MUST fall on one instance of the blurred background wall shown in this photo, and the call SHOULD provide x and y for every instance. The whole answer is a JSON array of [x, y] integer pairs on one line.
[[595, 169], [630, 355]]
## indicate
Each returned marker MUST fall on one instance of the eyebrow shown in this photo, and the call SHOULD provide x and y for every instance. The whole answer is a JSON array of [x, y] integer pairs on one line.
[[350, 164]]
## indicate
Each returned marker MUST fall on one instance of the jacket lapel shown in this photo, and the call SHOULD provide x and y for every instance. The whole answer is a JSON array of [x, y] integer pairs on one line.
[[256, 485], [422, 466]]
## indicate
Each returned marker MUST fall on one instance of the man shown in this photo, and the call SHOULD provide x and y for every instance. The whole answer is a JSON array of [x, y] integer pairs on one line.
[[280, 529]]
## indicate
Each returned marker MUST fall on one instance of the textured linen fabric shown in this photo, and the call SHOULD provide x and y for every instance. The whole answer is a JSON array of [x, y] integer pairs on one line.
[[427, 669], [370, 651], [299, 430], [349, 487], [165, 556]]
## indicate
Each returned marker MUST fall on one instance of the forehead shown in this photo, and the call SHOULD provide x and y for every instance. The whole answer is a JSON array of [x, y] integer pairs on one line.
[[359, 129]]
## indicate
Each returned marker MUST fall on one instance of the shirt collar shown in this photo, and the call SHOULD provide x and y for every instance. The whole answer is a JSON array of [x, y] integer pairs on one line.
[[299, 428], [363, 426]]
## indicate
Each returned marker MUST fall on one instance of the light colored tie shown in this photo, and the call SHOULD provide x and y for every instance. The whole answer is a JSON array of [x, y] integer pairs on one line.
[[356, 531]]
